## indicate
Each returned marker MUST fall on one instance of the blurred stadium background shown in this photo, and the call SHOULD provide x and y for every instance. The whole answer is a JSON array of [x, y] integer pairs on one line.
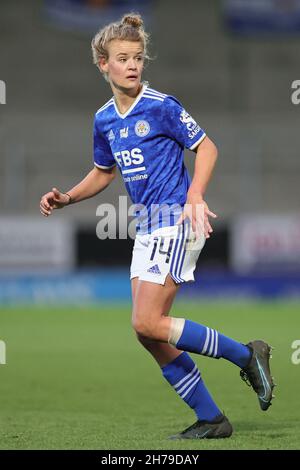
[[231, 63]]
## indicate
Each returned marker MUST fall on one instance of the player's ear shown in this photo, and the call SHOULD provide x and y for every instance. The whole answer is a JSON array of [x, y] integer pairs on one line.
[[103, 65]]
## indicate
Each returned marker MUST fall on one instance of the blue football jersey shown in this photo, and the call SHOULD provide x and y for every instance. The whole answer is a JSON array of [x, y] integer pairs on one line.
[[147, 144]]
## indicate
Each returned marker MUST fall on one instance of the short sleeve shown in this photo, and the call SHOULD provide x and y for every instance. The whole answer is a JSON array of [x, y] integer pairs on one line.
[[179, 125], [103, 157]]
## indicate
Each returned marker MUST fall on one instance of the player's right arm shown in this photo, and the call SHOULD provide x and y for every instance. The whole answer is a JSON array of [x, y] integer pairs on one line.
[[96, 181]]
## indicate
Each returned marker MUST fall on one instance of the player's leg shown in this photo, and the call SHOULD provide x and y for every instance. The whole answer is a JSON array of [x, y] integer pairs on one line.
[[190, 336], [155, 263], [177, 367], [163, 353]]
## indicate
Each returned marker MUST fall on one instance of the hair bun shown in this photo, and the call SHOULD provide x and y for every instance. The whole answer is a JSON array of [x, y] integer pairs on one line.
[[134, 20]]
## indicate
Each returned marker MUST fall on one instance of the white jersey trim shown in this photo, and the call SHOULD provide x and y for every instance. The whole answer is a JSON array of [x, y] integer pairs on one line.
[[198, 142], [106, 105], [103, 167], [153, 97], [157, 93]]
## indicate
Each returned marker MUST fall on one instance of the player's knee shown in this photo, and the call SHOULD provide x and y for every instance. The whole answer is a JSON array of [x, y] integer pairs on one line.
[[142, 327]]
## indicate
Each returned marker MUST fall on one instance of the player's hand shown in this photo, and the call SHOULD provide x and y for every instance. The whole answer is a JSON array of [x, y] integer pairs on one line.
[[53, 200], [196, 209]]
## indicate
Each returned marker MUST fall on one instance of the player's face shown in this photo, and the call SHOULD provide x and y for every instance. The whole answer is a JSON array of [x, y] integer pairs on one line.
[[125, 64]]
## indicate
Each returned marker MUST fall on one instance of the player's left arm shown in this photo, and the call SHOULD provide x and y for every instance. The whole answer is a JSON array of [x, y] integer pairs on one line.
[[180, 126], [206, 156]]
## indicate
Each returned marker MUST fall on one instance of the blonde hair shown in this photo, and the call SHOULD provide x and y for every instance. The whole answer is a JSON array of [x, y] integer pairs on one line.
[[129, 28]]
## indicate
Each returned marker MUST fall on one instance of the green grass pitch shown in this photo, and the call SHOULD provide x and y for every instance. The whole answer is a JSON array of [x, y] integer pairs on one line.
[[76, 378]]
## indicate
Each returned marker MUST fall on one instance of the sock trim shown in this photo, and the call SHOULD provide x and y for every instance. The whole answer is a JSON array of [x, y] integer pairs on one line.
[[211, 344], [192, 385], [186, 380], [206, 340]]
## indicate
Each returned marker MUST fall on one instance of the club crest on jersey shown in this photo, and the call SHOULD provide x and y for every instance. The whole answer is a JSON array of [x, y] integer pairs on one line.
[[142, 128], [111, 136]]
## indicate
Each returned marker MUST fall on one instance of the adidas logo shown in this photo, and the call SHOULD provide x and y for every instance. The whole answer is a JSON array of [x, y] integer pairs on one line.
[[154, 269], [111, 136]]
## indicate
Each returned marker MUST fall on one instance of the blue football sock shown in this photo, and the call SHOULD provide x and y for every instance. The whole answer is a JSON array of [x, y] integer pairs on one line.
[[203, 340], [184, 376]]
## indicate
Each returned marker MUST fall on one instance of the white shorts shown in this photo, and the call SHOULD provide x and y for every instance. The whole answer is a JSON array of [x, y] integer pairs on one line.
[[173, 250]]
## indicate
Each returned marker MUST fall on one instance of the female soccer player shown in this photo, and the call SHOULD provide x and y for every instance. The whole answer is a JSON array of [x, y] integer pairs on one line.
[[143, 132]]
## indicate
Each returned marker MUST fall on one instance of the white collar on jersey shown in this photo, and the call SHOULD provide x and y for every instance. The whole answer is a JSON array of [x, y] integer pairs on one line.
[[139, 96]]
